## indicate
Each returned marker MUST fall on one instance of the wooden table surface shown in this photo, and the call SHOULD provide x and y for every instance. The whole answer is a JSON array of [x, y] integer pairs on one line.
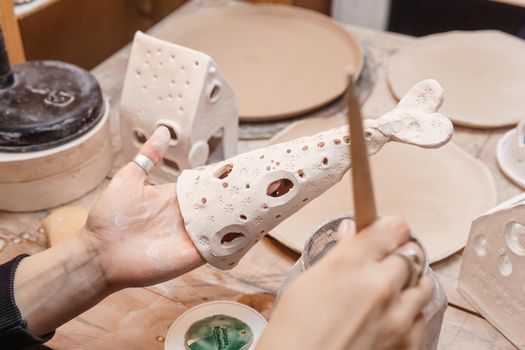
[[139, 318]]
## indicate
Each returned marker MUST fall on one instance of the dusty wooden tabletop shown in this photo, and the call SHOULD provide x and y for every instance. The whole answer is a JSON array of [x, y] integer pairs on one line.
[[139, 318]]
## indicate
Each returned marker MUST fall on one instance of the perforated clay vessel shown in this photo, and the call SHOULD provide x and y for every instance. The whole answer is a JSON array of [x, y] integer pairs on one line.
[[227, 207], [184, 90], [492, 275]]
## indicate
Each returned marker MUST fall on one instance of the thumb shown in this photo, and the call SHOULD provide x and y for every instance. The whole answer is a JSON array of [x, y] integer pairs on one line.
[[154, 149]]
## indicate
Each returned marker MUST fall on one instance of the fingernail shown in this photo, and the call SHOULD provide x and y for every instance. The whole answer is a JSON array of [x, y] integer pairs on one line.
[[161, 137]]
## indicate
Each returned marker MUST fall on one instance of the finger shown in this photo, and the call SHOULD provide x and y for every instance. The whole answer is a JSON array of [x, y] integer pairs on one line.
[[397, 267], [379, 239], [154, 148], [416, 337], [412, 301]]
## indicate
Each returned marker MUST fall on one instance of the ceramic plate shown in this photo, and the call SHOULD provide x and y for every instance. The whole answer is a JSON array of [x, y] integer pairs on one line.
[[482, 73], [280, 60], [175, 336], [511, 156], [438, 191]]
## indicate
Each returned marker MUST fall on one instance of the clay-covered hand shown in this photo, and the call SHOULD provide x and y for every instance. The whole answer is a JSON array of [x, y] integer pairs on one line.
[[137, 229], [353, 298]]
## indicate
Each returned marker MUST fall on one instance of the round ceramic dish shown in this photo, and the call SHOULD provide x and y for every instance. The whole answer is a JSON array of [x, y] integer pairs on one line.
[[44, 179], [481, 72], [281, 61], [511, 154], [175, 336], [438, 191]]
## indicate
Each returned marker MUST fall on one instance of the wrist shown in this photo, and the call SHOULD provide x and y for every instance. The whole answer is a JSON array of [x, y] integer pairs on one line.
[[57, 284]]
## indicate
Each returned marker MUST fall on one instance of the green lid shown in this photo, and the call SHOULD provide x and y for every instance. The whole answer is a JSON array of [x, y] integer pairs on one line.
[[218, 332]]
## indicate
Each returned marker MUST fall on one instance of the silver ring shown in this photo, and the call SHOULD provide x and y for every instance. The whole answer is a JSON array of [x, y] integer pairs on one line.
[[414, 264], [144, 162]]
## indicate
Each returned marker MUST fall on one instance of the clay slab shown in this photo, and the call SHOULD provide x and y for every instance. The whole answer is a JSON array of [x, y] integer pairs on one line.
[[511, 154], [280, 60], [427, 187], [492, 276], [481, 72]]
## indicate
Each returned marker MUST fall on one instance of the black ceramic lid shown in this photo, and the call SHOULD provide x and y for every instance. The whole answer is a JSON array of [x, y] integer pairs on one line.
[[48, 104]]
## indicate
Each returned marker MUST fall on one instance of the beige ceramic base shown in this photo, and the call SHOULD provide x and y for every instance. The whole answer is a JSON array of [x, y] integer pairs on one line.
[[511, 155], [45, 179], [428, 187], [280, 60], [492, 275], [482, 73]]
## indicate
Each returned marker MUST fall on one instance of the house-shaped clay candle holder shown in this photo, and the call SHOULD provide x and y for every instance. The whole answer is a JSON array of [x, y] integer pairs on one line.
[[184, 90], [492, 276]]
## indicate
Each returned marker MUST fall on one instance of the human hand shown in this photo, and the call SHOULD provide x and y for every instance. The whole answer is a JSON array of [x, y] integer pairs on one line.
[[353, 298], [137, 230]]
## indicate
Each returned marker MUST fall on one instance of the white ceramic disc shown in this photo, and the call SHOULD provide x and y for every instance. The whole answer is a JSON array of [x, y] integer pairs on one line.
[[175, 336], [511, 157], [482, 73]]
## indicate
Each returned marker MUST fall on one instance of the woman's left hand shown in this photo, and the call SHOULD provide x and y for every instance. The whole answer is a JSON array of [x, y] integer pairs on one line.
[[137, 229], [134, 236]]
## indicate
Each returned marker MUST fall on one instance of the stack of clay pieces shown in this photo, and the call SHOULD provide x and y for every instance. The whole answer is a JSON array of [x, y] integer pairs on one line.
[[45, 179], [54, 134], [492, 276], [182, 89]]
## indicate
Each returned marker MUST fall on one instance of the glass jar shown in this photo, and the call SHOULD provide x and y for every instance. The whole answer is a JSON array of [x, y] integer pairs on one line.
[[325, 237]]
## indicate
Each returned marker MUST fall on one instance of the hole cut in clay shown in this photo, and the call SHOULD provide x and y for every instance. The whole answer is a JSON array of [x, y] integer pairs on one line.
[[230, 238], [279, 188], [325, 161], [171, 165], [480, 245], [215, 92], [243, 217], [139, 136], [174, 138], [505, 265], [515, 238], [223, 172], [215, 146]]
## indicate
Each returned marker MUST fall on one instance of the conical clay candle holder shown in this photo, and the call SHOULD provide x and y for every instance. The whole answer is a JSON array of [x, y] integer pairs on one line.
[[182, 89], [492, 276], [227, 207]]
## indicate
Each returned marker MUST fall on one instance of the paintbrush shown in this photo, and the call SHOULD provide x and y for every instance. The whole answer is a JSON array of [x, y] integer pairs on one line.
[[364, 202]]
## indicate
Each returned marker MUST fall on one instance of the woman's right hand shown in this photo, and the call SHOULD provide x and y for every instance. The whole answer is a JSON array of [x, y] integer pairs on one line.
[[354, 298]]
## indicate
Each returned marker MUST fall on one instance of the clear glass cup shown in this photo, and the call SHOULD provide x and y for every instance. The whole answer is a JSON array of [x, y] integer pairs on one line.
[[325, 237]]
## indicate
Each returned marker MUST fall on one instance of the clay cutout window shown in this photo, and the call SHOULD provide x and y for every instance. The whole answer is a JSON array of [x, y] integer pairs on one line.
[[224, 171], [140, 137], [174, 138], [515, 238], [214, 91], [171, 166], [231, 239], [279, 188], [215, 146]]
